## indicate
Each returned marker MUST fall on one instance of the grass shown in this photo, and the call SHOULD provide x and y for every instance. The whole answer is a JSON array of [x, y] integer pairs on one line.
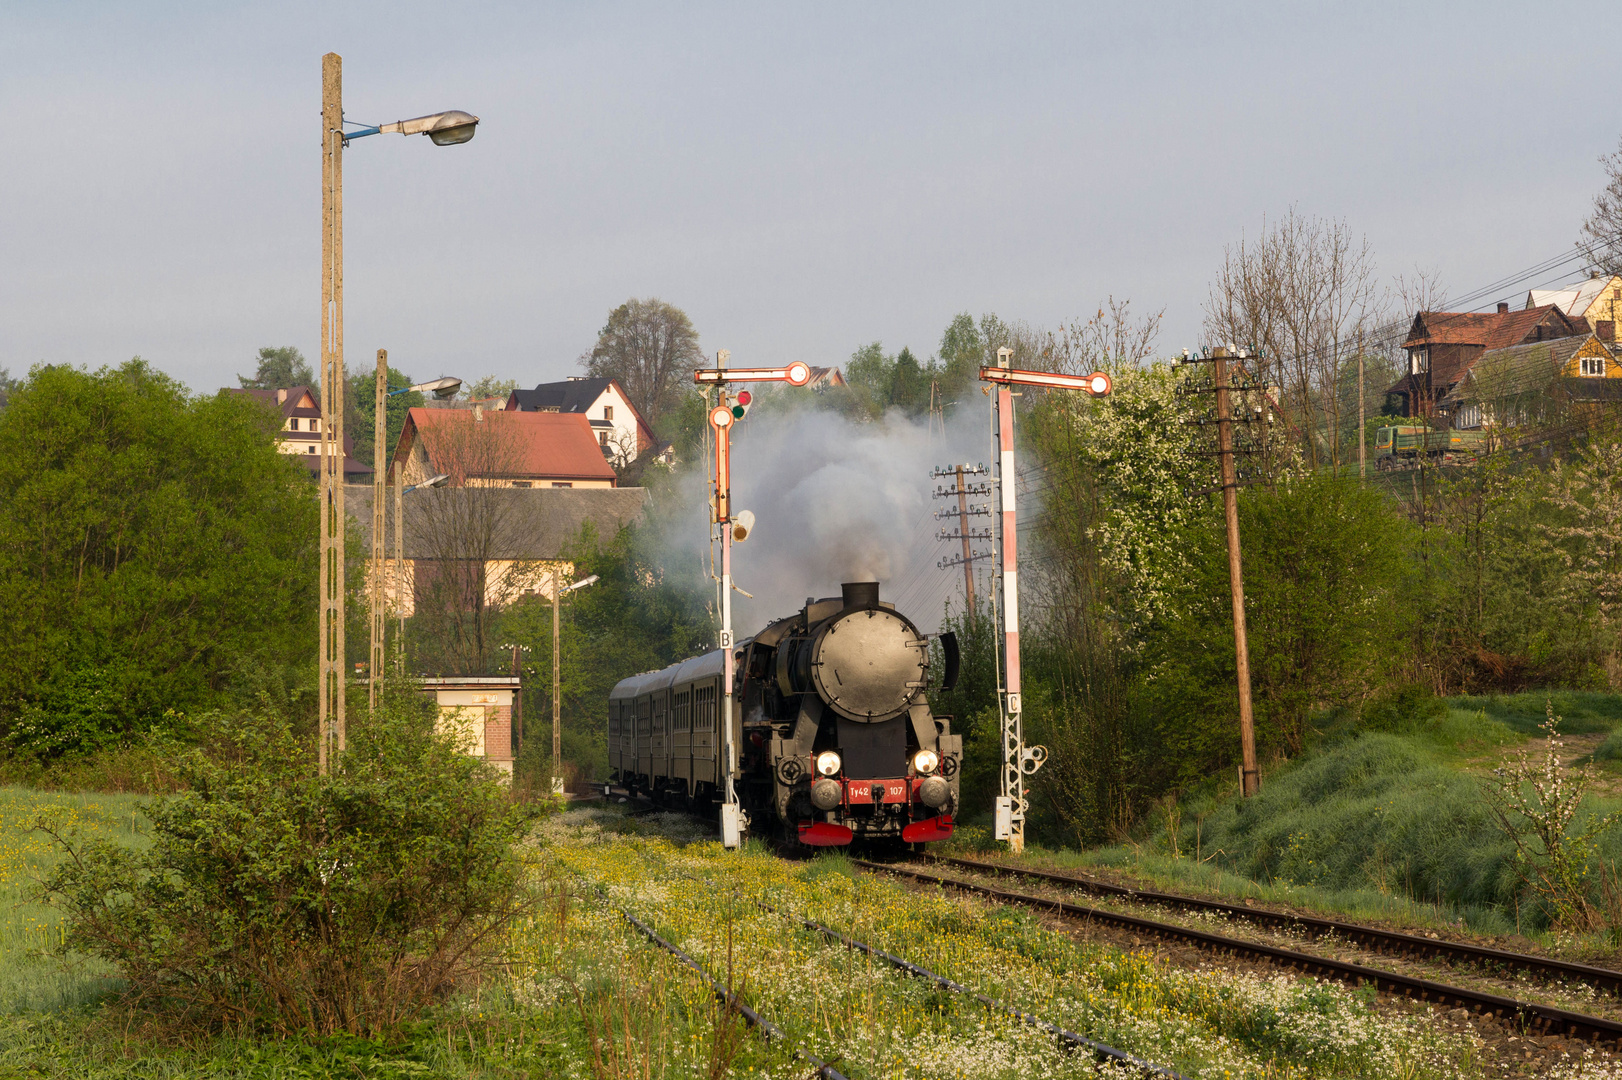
[[586, 997], [1387, 825], [30, 980], [880, 1023]]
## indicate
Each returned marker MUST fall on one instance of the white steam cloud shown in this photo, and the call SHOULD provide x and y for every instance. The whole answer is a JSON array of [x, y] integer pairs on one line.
[[836, 500]]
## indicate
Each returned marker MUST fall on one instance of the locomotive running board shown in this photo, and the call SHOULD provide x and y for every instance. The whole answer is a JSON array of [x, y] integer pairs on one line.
[[822, 834], [928, 830]]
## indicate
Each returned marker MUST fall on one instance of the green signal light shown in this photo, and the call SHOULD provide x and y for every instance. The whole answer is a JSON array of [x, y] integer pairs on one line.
[[738, 411]]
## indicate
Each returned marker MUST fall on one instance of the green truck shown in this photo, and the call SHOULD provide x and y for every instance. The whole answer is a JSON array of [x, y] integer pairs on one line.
[[1402, 446]]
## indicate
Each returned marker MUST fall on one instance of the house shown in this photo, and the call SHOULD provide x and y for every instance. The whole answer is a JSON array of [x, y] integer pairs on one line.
[[1513, 385], [516, 537], [300, 408], [618, 426], [822, 378], [1443, 345], [479, 447], [1599, 300]]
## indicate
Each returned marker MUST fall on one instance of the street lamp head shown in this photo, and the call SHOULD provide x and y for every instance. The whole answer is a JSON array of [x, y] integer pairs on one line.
[[582, 583], [445, 129], [438, 481], [440, 388]]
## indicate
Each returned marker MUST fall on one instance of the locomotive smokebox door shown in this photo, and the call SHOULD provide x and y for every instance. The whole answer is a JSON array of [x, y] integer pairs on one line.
[[869, 663]]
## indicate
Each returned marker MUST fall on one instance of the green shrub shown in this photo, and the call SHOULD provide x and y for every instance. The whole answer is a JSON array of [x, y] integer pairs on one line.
[[275, 899], [1398, 707]]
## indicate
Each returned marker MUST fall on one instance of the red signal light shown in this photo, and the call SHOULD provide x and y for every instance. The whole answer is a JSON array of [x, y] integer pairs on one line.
[[745, 397]]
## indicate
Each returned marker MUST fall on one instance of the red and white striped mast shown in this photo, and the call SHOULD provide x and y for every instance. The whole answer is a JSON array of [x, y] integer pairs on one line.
[[722, 417], [1018, 760]]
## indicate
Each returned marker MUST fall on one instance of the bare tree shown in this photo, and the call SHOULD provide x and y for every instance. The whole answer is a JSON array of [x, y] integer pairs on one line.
[[1299, 293], [470, 535], [1602, 229], [651, 348]]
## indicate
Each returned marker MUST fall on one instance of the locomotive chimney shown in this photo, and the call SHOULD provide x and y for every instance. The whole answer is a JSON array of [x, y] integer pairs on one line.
[[859, 594]]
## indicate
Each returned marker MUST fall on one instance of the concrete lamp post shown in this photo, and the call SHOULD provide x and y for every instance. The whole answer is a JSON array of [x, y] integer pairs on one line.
[[557, 695], [445, 129]]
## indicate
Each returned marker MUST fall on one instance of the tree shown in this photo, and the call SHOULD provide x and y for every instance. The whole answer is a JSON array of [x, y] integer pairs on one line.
[[153, 547], [360, 408], [652, 349], [488, 386], [1299, 293], [1601, 244], [474, 538], [279, 369]]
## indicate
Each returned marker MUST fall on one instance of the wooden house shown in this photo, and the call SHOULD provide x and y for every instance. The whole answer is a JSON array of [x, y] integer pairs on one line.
[[1442, 347]]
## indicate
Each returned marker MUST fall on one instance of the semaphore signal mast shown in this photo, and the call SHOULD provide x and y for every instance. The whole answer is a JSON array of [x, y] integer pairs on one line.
[[727, 412], [1018, 760]]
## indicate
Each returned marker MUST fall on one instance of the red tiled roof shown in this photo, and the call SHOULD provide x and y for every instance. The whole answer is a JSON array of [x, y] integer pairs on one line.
[[543, 444], [1489, 329]]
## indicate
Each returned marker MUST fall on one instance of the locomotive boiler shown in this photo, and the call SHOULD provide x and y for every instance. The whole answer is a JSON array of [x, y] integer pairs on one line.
[[836, 741]]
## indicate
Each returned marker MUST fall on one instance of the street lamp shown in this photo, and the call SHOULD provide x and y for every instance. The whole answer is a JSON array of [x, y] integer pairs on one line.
[[446, 128], [441, 388], [557, 696]]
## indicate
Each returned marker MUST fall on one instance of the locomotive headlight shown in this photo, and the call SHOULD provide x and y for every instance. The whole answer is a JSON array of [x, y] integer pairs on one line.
[[828, 763], [925, 762]]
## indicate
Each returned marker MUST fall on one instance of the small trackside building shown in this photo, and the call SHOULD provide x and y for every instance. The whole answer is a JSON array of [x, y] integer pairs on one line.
[[479, 712]]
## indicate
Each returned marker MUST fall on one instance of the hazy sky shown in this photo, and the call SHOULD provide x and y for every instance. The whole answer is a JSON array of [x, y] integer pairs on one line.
[[800, 178]]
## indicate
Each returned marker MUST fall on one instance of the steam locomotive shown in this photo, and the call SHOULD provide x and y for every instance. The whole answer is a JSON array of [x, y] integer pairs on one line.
[[836, 742]]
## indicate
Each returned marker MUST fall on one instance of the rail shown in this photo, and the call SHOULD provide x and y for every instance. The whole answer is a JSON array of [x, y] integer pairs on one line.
[[1544, 1019]]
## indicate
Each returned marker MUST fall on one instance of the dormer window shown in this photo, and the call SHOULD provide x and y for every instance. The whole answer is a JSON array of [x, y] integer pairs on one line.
[[1593, 366], [1419, 361]]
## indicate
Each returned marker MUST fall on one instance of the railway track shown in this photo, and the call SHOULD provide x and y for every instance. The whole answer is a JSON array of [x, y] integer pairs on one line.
[[1387, 941], [1538, 1018], [770, 1030], [1067, 1039]]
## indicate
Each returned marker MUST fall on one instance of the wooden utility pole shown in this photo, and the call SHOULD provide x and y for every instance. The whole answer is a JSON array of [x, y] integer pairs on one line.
[[518, 703], [399, 564], [963, 527], [1362, 419], [557, 697], [330, 725], [379, 528], [1250, 776]]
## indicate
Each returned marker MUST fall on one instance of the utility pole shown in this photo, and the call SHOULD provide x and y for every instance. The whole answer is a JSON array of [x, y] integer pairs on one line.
[[518, 703], [330, 693], [1362, 418], [1250, 777], [721, 419], [964, 532], [380, 436], [557, 682], [399, 563], [1018, 760]]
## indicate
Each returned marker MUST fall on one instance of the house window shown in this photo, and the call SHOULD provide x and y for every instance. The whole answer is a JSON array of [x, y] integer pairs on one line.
[[561, 483], [520, 483], [1469, 418], [1419, 361], [292, 425], [310, 449], [608, 412], [1593, 365], [602, 438], [315, 425]]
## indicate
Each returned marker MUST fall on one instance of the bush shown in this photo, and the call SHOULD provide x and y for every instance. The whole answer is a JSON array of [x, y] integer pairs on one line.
[[275, 899]]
